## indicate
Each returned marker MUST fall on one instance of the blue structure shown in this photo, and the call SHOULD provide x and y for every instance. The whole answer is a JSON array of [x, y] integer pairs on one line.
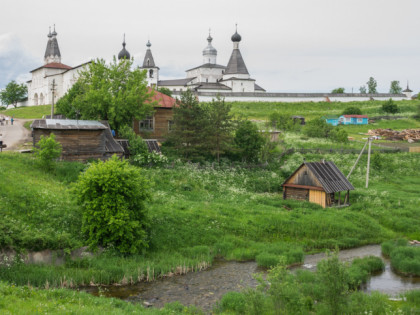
[[346, 120], [353, 120]]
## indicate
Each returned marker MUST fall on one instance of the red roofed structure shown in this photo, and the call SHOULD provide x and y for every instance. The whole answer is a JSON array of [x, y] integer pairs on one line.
[[355, 116], [157, 125]]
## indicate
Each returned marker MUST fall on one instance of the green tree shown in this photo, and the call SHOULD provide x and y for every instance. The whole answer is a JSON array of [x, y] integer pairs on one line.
[[339, 90], [352, 111], [113, 197], [165, 91], [284, 122], [333, 278], [372, 84], [218, 128], [189, 121], [47, 150], [112, 92], [317, 128], [362, 89], [390, 107], [249, 141], [13, 93], [395, 87]]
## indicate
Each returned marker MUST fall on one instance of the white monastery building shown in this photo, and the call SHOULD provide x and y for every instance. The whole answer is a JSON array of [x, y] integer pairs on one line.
[[40, 87], [233, 82]]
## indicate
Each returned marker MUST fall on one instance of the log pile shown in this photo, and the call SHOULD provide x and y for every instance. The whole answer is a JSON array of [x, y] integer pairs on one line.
[[410, 135]]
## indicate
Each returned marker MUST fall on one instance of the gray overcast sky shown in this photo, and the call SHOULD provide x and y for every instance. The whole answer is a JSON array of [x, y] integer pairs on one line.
[[287, 45]]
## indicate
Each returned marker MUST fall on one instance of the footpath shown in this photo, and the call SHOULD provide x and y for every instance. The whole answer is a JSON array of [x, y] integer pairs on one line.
[[13, 136]]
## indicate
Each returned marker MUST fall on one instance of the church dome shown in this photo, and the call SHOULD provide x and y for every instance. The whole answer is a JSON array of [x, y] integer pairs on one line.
[[209, 50], [123, 53], [236, 38]]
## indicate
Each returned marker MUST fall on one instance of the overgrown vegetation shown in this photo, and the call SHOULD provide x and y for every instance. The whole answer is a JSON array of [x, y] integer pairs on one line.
[[404, 258], [48, 150], [329, 290]]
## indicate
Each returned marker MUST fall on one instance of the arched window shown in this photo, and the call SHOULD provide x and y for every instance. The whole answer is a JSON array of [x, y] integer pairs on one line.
[[148, 62], [151, 73], [36, 99], [41, 99]]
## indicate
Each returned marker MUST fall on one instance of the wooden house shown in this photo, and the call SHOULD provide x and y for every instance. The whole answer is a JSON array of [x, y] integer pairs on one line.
[[80, 139], [318, 182], [157, 126]]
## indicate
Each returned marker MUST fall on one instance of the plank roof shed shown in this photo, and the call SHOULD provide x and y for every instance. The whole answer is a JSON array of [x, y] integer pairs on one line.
[[317, 182]]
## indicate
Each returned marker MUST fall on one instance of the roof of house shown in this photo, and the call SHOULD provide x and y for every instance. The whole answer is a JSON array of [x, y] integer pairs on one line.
[[54, 65], [330, 117], [328, 175], [212, 86], [355, 116], [176, 82], [67, 124], [162, 100], [208, 65], [258, 88], [148, 61]]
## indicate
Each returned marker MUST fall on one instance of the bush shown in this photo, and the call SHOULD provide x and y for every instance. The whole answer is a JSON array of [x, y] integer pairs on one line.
[[390, 107], [317, 128], [149, 159], [233, 302], [47, 150], [339, 135], [136, 145], [352, 111], [112, 195], [267, 260]]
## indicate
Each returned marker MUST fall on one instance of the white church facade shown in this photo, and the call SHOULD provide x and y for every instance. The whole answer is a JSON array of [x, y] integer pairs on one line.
[[52, 75]]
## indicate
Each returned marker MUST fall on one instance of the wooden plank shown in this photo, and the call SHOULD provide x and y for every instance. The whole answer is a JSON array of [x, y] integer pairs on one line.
[[303, 187]]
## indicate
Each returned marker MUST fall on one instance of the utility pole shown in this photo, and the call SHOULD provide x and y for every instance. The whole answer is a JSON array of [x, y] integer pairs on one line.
[[53, 85], [368, 163]]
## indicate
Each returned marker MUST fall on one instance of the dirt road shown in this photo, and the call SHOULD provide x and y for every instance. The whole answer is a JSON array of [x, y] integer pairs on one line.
[[14, 135]]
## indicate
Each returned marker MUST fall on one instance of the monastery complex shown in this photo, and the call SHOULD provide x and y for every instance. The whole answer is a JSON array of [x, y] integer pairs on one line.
[[233, 81]]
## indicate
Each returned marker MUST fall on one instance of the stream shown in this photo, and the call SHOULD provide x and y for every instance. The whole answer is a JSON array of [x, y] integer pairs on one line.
[[203, 289]]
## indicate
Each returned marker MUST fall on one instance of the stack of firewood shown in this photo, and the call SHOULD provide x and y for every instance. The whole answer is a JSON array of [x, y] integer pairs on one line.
[[410, 135]]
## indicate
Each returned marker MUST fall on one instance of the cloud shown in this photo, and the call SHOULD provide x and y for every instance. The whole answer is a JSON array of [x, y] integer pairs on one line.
[[15, 63]]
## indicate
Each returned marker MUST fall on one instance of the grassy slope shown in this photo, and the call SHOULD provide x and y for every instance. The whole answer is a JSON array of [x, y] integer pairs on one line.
[[29, 112], [199, 213]]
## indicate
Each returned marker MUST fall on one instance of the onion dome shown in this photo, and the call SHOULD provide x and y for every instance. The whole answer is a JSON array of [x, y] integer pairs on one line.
[[148, 44], [49, 34], [123, 53], [236, 38], [209, 50]]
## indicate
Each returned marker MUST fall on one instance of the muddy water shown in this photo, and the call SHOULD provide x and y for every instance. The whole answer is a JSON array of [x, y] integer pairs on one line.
[[203, 289]]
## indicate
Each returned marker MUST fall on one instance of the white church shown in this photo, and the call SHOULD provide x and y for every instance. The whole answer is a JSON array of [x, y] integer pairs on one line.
[[233, 82]]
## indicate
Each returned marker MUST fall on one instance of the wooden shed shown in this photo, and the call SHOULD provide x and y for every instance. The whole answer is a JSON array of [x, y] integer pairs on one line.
[[318, 182], [80, 139]]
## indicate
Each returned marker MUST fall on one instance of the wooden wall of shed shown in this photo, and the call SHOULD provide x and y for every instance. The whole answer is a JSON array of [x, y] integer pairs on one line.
[[76, 144], [318, 196], [162, 116], [296, 193], [304, 177]]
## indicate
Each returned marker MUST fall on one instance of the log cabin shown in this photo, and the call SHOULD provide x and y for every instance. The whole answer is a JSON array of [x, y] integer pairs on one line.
[[318, 182], [157, 125], [81, 140]]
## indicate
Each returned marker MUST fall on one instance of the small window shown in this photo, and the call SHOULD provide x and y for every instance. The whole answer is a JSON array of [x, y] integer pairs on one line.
[[359, 120], [146, 124], [207, 80], [170, 125]]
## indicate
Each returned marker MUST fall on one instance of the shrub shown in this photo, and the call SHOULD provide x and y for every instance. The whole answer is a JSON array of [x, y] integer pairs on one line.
[[47, 150], [352, 111], [339, 135], [390, 107], [317, 128], [136, 145], [233, 302], [113, 195], [149, 159]]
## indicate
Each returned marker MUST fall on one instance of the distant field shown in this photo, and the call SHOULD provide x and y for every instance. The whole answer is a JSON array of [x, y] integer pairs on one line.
[[29, 112], [310, 110]]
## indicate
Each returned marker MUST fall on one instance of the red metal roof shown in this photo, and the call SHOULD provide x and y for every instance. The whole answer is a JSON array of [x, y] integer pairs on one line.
[[54, 65], [162, 100], [355, 116]]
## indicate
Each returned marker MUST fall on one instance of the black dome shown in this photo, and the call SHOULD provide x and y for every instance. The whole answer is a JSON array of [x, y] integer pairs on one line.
[[236, 37], [123, 53]]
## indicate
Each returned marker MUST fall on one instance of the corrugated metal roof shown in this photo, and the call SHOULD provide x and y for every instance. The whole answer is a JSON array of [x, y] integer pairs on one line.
[[67, 124], [330, 177]]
